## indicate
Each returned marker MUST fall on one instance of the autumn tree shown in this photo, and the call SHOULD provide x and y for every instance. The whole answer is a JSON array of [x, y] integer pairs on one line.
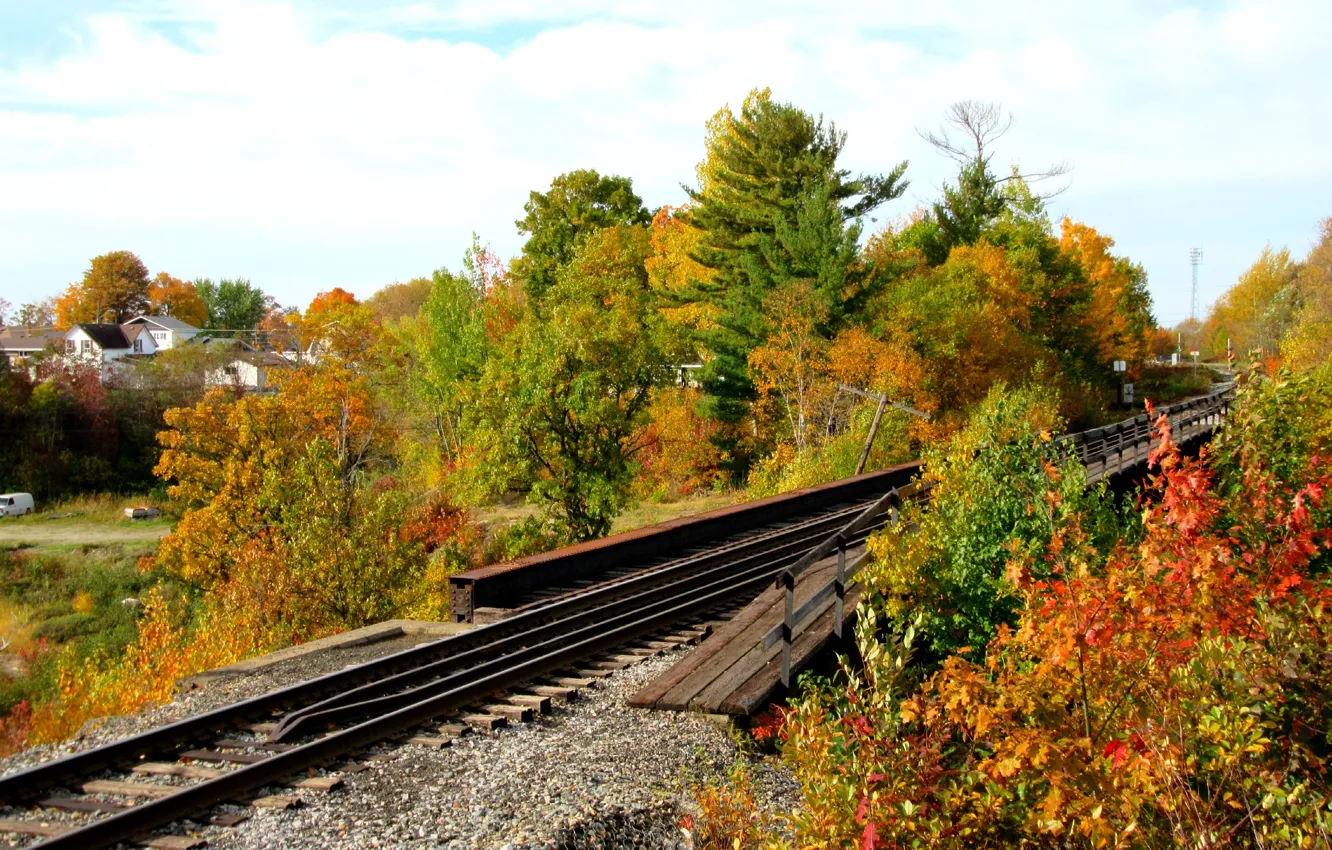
[[399, 300], [37, 314], [170, 296], [115, 287], [1257, 311], [1119, 317], [560, 219], [233, 305], [337, 325], [566, 404], [1308, 343]]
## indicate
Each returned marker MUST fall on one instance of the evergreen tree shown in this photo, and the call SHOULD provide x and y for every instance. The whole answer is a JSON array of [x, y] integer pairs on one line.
[[772, 207]]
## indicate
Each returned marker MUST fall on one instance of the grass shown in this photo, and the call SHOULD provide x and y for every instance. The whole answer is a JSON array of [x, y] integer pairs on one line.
[[646, 512], [64, 599], [105, 508]]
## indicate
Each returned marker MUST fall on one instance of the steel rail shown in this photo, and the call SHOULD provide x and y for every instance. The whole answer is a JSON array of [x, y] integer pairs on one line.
[[32, 781], [342, 709], [588, 604], [142, 818]]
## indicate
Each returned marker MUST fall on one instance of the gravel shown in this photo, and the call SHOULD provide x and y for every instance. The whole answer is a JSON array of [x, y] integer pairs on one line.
[[593, 774]]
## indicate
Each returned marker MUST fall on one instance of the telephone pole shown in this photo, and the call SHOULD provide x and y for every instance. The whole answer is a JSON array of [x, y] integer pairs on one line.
[[1195, 260]]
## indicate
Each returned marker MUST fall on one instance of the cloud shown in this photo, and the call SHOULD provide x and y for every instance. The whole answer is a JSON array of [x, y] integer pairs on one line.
[[348, 144]]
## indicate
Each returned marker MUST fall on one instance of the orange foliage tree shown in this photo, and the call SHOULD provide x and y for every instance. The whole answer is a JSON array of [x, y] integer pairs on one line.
[[115, 288], [170, 296], [1118, 318]]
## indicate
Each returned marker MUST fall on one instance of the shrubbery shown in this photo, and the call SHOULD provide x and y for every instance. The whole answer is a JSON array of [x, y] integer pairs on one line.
[[1174, 689]]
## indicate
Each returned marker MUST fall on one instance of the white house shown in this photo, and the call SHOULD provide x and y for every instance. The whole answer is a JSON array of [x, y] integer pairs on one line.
[[101, 343], [104, 343], [248, 370], [165, 331]]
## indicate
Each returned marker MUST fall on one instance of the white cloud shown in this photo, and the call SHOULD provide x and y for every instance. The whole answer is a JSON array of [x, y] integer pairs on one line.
[[309, 148]]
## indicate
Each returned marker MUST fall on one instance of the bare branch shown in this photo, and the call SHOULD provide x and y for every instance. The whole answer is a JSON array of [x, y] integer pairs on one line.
[[981, 123]]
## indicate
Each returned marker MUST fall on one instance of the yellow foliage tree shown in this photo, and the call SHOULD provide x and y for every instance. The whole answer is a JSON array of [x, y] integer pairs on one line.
[[1256, 312], [1309, 342]]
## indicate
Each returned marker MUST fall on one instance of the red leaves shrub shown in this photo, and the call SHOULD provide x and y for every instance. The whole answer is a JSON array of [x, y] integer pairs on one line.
[[1177, 691]]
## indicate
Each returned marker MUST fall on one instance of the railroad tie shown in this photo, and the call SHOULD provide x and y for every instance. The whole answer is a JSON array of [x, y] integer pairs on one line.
[[186, 771], [128, 789], [571, 682], [324, 784], [484, 722], [514, 713], [539, 704], [276, 801], [565, 693]]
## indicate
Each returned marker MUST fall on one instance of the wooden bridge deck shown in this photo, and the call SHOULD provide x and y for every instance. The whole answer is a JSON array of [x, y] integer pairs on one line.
[[732, 672]]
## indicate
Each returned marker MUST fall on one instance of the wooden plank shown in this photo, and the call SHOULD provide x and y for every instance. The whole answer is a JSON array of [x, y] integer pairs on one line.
[[128, 789], [645, 651], [516, 713], [593, 673], [484, 722], [455, 730], [539, 704], [217, 756], [570, 682], [755, 693], [657, 689], [276, 801], [263, 728], [69, 804], [318, 783], [350, 767], [731, 645], [229, 820], [239, 744], [433, 741], [188, 771], [566, 694], [175, 842], [606, 666], [33, 827]]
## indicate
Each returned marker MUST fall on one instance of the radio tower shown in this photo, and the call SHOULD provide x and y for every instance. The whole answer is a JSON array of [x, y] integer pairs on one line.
[[1195, 260]]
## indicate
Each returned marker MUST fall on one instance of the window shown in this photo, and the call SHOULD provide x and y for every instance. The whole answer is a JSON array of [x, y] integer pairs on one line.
[[138, 346], [85, 345], [69, 346]]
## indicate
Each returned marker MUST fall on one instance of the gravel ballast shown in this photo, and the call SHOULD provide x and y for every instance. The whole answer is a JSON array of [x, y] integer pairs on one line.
[[595, 773]]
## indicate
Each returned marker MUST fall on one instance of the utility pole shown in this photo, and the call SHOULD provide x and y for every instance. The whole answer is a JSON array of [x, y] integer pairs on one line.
[[1195, 260]]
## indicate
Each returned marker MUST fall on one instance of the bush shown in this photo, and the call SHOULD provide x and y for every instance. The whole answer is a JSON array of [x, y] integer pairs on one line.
[[945, 565], [1172, 692]]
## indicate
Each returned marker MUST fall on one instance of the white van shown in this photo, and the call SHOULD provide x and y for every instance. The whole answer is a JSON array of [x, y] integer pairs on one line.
[[15, 504]]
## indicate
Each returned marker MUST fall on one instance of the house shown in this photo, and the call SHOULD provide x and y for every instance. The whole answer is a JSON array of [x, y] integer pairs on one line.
[[105, 343], [20, 343], [165, 331], [248, 370]]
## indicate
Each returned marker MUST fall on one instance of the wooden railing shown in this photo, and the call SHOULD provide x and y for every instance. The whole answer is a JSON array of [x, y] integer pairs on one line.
[[1123, 444]]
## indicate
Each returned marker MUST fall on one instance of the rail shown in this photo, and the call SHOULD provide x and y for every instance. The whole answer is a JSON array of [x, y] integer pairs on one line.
[[1097, 446]]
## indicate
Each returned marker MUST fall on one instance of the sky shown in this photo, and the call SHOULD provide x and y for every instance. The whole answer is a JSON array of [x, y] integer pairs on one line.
[[308, 145]]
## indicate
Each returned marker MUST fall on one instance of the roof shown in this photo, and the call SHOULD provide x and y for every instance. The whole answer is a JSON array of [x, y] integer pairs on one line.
[[168, 322], [28, 342], [106, 336], [131, 331]]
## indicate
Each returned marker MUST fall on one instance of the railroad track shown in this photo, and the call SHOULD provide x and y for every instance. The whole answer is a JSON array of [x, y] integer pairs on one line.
[[130, 789]]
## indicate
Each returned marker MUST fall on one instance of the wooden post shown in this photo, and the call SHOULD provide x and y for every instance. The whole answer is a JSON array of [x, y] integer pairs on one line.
[[787, 628], [874, 429], [840, 587]]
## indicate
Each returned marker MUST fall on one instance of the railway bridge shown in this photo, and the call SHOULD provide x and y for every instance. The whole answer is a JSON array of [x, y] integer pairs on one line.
[[769, 584]]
